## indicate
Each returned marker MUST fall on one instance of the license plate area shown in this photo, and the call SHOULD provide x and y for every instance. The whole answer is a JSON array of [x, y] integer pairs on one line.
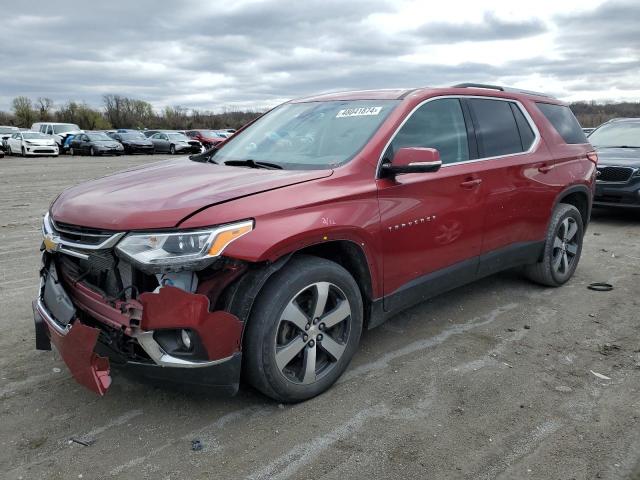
[[55, 298]]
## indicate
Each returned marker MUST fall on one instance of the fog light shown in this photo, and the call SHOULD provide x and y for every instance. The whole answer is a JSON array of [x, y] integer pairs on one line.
[[185, 336]]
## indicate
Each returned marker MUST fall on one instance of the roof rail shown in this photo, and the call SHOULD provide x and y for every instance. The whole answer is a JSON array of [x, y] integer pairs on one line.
[[479, 85], [502, 89]]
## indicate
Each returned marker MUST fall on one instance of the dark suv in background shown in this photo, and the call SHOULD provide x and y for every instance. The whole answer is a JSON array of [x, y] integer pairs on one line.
[[324, 217], [618, 145]]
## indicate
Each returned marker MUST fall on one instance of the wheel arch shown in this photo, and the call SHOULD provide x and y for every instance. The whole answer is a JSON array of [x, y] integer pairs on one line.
[[580, 197], [240, 296]]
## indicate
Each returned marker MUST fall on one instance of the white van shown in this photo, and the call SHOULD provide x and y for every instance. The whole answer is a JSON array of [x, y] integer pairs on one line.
[[59, 131]]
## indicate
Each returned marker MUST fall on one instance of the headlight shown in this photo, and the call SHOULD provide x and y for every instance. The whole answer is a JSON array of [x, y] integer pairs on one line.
[[181, 249]]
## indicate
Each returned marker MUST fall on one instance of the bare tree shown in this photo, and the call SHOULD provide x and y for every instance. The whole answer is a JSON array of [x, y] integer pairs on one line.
[[23, 109], [45, 105]]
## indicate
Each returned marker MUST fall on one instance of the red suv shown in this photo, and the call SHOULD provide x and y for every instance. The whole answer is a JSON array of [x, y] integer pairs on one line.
[[208, 138], [322, 218]]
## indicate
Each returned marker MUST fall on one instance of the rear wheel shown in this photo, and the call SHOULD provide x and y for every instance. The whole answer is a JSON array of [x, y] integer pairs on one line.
[[562, 249], [304, 329]]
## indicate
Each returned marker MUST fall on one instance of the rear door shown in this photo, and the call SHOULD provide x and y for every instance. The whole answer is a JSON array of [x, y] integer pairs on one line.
[[513, 160], [432, 222]]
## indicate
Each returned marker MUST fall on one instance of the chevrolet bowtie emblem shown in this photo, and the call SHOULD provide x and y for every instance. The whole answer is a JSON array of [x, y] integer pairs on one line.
[[50, 243]]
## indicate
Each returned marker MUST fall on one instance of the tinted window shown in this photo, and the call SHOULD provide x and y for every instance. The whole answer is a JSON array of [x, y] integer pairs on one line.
[[526, 134], [437, 124], [564, 122], [496, 127]]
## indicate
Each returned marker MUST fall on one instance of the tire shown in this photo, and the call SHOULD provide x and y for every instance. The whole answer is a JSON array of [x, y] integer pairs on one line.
[[24, 152], [277, 351], [562, 248], [71, 152], [172, 149], [92, 152], [9, 151]]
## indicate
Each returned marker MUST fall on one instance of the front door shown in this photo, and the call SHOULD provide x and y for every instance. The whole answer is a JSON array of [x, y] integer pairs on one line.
[[432, 222]]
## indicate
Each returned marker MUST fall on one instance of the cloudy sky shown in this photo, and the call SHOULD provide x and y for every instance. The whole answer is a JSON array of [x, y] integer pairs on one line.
[[253, 54]]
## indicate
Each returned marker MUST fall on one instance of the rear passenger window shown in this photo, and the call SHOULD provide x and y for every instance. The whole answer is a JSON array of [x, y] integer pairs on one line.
[[564, 122], [526, 134], [437, 124], [496, 127]]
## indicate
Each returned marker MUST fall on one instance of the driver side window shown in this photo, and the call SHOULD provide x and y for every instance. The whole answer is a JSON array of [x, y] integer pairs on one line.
[[437, 124]]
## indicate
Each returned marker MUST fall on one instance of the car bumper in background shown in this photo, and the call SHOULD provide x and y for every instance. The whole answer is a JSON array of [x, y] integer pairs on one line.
[[618, 194], [41, 150]]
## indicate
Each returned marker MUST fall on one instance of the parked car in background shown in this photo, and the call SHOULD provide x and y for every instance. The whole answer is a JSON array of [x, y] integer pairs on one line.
[[57, 131], [618, 145], [133, 142], [324, 217], [149, 133], [94, 143], [208, 138], [174, 142], [31, 143], [587, 130], [6, 132]]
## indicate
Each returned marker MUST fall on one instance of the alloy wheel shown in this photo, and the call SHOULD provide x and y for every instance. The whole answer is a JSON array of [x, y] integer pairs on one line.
[[565, 246], [312, 333]]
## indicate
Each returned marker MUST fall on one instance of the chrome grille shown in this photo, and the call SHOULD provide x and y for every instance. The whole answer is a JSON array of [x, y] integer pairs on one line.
[[615, 174]]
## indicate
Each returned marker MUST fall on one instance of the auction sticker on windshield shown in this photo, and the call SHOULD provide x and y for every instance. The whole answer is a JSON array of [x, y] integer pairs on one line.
[[358, 112]]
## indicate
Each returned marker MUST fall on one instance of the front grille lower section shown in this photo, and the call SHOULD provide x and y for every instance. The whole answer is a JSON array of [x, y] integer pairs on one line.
[[615, 174]]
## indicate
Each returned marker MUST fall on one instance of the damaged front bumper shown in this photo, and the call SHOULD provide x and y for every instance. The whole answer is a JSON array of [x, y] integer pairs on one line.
[[85, 340]]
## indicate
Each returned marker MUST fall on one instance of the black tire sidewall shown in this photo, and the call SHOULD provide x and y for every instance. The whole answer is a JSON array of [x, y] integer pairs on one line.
[[564, 212], [261, 331]]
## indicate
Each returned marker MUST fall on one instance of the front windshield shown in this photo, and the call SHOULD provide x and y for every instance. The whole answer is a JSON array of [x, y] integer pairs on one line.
[[311, 135], [618, 134], [65, 127], [34, 135], [99, 137], [177, 136]]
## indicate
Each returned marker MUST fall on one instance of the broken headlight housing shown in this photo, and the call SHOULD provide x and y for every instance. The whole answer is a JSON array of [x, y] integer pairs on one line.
[[188, 249]]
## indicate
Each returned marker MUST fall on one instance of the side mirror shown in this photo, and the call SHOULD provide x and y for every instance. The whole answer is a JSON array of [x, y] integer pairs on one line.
[[413, 160]]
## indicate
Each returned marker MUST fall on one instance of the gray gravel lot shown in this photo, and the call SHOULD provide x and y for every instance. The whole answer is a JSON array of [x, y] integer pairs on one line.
[[492, 380]]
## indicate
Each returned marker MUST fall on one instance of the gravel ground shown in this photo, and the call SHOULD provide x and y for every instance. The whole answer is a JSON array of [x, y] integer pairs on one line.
[[492, 380]]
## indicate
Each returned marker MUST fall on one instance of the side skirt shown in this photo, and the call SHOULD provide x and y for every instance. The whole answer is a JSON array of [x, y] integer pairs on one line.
[[428, 286]]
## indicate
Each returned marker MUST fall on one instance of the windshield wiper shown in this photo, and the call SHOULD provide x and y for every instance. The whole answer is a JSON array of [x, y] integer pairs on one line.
[[205, 157], [253, 164], [620, 146]]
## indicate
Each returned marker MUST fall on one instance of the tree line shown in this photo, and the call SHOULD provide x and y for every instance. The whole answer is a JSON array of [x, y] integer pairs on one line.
[[120, 112], [124, 112]]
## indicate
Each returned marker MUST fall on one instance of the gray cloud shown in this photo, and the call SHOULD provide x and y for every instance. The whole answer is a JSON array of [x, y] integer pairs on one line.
[[261, 53]]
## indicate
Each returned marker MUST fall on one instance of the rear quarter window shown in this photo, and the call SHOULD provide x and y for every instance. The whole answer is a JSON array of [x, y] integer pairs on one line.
[[564, 122]]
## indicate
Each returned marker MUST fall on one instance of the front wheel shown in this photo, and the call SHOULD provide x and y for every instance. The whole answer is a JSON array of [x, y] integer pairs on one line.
[[172, 149], [562, 249], [24, 152], [92, 152], [304, 329]]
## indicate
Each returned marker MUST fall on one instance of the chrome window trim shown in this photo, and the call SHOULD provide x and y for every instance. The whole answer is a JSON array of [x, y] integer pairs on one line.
[[532, 125]]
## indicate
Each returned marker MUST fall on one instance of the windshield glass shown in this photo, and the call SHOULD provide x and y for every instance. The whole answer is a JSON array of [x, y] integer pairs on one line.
[[34, 135], [177, 136], [311, 135], [65, 127], [622, 134], [99, 137], [132, 136]]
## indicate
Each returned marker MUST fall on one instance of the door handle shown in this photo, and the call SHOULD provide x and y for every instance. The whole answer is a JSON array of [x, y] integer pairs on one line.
[[471, 183], [544, 168]]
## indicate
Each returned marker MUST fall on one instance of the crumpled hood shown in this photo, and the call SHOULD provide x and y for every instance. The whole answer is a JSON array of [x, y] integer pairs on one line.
[[40, 141], [162, 194], [623, 157]]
